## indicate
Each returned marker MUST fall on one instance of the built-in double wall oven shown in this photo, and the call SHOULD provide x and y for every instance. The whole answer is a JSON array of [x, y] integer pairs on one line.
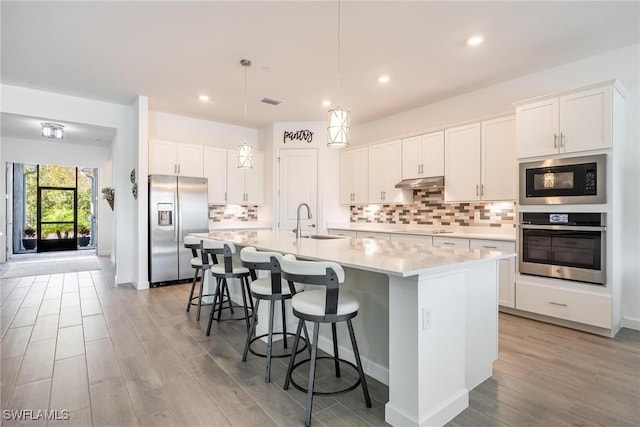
[[563, 245]]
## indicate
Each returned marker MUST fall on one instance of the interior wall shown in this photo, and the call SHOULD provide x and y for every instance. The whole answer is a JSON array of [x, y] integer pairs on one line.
[[57, 107], [621, 64], [49, 152]]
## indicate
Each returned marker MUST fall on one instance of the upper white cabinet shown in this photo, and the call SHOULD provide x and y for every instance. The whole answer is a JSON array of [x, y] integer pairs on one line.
[[245, 186], [572, 122], [354, 176], [173, 158], [215, 170], [423, 156], [385, 171], [480, 161]]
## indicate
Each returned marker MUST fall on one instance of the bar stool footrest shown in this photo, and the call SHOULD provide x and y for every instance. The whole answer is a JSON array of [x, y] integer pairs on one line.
[[196, 300], [235, 306], [325, 393], [275, 356]]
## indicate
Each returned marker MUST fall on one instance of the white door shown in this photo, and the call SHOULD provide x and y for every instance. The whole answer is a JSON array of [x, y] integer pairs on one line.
[[499, 164], [462, 163], [585, 120], [215, 170], [392, 166], [360, 175], [298, 183], [411, 157], [235, 180], [537, 128], [190, 160], [346, 178], [254, 181], [163, 157], [377, 165], [432, 154]]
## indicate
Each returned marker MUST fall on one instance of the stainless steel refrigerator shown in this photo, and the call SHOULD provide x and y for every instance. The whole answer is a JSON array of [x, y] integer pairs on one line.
[[177, 206]]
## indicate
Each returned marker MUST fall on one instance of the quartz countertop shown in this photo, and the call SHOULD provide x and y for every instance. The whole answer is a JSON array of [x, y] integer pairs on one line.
[[392, 258], [486, 233]]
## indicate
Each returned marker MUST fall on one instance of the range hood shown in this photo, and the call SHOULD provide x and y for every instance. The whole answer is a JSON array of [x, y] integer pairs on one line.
[[417, 183]]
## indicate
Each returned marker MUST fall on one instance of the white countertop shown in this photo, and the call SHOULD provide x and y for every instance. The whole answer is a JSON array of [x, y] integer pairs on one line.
[[430, 230], [393, 258]]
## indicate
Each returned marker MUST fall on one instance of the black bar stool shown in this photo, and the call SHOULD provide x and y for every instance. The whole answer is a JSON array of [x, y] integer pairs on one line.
[[193, 243], [223, 272], [270, 289], [326, 305]]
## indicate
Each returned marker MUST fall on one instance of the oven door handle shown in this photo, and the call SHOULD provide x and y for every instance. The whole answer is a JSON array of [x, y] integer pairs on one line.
[[562, 227]]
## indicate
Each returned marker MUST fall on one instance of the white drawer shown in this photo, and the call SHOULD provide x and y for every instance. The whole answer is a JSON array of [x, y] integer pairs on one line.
[[450, 241], [371, 235], [497, 245], [411, 238], [577, 306], [345, 233]]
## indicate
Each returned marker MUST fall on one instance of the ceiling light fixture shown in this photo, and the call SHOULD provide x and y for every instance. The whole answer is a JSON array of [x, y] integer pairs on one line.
[[52, 130], [204, 98], [326, 103], [384, 79], [475, 40], [339, 118], [245, 152]]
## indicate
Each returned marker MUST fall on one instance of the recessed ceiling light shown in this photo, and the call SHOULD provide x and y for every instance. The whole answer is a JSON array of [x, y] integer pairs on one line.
[[384, 79], [203, 98], [326, 103], [475, 40]]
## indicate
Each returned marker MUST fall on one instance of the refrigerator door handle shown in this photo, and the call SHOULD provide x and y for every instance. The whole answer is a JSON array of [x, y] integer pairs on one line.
[[175, 223], [179, 225]]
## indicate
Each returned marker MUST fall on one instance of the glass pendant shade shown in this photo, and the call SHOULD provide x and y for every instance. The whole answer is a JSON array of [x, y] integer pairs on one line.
[[52, 130], [245, 156], [338, 128]]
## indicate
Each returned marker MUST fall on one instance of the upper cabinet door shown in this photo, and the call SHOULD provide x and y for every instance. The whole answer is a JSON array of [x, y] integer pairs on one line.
[[215, 170], [499, 164], [254, 181], [585, 120], [432, 163], [377, 165], [537, 128], [392, 167], [163, 157], [462, 163], [360, 175], [235, 180], [412, 157], [190, 160], [345, 195]]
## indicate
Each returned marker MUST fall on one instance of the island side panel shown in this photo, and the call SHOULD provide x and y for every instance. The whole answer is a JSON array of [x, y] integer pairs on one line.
[[427, 341]]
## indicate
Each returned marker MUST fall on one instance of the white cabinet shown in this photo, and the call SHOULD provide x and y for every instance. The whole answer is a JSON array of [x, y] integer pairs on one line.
[[480, 161], [423, 156], [353, 176], [411, 238], [173, 158], [245, 186], [573, 122], [215, 170], [462, 163], [385, 171], [450, 241], [506, 269], [373, 235], [346, 233]]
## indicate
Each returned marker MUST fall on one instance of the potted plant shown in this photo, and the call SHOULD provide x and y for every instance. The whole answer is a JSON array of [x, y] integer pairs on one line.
[[84, 236], [29, 239], [108, 193]]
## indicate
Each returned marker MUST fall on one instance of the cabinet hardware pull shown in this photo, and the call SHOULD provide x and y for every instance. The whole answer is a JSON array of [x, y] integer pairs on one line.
[[557, 303], [482, 189], [477, 190], [178, 168], [561, 139], [555, 140], [490, 247], [419, 169], [225, 195], [448, 243]]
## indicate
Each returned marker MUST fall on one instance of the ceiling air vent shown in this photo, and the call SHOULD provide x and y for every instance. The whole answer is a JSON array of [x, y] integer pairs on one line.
[[271, 101]]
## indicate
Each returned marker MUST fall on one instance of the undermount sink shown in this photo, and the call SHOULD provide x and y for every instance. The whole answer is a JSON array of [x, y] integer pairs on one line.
[[322, 237]]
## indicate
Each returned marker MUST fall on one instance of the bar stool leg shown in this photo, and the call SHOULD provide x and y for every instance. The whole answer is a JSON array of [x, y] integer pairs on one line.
[[193, 286], [284, 322], [254, 320], [244, 303], [306, 336], [363, 380], [216, 295], [226, 287], [200, 300], [312, 374], [292, 359], [272, 306], [335, 349]]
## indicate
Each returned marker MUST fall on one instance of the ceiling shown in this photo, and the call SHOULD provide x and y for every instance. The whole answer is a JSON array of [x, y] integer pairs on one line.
[[172, 52]]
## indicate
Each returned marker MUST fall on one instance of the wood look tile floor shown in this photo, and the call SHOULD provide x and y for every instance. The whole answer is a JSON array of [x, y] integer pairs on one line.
[[114, 356]]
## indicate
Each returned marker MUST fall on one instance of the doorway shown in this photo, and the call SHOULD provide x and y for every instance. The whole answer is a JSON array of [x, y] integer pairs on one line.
[[53, 208], [298, 183]]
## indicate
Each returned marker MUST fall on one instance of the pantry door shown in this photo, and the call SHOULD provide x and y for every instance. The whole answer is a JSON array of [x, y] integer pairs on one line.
[[298, 183]]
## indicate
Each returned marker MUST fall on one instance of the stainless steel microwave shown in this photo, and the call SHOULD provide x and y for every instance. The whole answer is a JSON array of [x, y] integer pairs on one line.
[[563, 181]]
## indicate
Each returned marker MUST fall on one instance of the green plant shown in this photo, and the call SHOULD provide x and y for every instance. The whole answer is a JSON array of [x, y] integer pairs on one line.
[[108, 193], [84, 232], [29, 233]]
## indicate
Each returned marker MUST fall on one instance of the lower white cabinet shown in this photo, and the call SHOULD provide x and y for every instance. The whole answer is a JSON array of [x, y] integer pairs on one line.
[[411, 238], [506, 269], [450, 241], [372, 235], [574, 305]]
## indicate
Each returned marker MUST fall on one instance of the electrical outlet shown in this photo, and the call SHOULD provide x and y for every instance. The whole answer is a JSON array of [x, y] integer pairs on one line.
[[426, 318]]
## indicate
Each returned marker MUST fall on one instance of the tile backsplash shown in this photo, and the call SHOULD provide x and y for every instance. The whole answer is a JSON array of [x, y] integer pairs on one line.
[[429, 208], [235, 213]]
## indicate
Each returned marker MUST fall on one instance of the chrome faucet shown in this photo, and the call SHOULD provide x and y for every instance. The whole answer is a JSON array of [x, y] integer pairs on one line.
[[297, 229]]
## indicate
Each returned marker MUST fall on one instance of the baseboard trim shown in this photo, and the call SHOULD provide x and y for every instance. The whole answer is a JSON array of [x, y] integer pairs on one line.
[[630, 322], [142, 285]]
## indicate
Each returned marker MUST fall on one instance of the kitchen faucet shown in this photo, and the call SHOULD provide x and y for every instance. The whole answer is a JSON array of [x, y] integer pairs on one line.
[[297, 229]]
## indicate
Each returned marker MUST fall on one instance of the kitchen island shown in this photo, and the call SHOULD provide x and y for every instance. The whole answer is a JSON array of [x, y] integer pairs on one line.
[[441, 310]]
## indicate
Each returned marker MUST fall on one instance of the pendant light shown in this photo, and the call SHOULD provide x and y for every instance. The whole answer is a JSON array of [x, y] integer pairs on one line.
[[339, 118], [245, 152], [52, 130]]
